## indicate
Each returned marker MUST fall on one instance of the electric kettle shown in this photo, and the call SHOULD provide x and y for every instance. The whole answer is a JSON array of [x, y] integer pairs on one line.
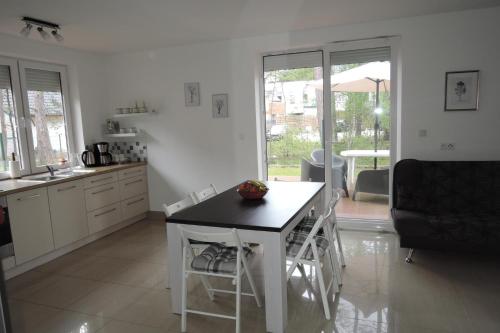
[[88, 158]]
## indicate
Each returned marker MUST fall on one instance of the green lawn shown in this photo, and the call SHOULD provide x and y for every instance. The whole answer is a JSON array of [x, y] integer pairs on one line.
[[283, 171]]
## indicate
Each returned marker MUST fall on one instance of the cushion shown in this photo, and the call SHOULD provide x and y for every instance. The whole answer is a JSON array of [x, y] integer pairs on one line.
[[295, 240], [306, 225], [217, 258]]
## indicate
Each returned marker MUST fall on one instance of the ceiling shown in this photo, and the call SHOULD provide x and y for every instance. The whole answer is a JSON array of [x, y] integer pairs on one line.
[[125, 25]]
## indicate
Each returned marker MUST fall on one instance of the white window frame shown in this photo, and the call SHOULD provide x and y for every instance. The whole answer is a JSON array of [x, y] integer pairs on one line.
[[23, 154], [62, 70]]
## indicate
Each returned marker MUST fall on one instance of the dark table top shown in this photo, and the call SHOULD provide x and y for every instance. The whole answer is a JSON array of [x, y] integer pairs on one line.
[[282, 203]]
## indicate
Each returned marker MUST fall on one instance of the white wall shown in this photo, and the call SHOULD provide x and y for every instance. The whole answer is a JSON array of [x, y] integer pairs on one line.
[[87, 87], [189, 149]]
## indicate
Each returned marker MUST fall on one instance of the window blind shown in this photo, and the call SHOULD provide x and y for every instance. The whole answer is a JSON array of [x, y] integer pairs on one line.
[[293, 61], [41, 80], [360, 56], [5, 77]]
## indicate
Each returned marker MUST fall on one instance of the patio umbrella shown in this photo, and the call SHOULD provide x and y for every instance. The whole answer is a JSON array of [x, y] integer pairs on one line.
[[370, 77]]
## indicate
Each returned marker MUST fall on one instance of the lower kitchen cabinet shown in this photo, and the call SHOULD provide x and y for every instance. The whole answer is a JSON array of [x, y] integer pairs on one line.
[[135, 206], [30, 224], [104, 217], [68, 212]]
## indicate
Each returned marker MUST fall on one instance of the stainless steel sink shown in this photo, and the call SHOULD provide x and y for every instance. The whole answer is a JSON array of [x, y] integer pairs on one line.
[[46, 178]]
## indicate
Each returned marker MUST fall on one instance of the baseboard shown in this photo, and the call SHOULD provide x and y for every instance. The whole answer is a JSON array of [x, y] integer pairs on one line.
[[156, 215], [16, 270], [366, 225]]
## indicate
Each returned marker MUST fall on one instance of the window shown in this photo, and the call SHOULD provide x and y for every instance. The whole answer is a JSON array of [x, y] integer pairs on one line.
[[8, 120], [39, 132]]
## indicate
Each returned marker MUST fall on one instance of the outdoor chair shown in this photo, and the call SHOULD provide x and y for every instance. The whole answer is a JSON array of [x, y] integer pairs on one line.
[[316, 173], [372, 181], [339, 166]]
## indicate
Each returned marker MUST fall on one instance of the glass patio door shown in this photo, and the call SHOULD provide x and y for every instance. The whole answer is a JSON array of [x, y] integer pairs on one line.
[[294, 133], [360, 141]]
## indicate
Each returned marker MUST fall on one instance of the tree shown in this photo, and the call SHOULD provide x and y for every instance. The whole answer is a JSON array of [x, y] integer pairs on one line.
[[45, 153]]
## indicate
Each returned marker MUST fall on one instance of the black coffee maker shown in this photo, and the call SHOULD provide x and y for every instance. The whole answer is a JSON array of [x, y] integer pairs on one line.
[[102, 154]]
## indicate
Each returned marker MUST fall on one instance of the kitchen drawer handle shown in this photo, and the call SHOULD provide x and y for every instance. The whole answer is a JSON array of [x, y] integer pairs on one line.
[[66, 188], [28, 197], [104, 213], [136, 201], [133, 171], [100, 180], [135, 181], [105, 190]]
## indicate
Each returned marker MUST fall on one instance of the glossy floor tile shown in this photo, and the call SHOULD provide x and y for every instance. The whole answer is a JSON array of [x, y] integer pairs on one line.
[[117, 285]]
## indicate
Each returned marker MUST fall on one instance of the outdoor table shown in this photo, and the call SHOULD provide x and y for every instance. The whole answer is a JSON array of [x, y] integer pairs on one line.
[[266, 222], [351, 160]]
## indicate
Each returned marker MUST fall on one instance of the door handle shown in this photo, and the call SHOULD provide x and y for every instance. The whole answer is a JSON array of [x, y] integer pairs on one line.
[[66, 188], [28, 197], [100, 180], [104, 213], [136, 201], [135, 181], [105, 190]]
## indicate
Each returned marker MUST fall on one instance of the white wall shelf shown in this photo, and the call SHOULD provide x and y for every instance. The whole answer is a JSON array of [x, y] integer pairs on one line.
[[124, 135], [132, 115]]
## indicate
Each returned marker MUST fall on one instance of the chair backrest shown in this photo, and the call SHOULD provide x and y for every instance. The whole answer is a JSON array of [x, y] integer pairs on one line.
[[229, 238], [178, 206], [329, 213], [205, 194], [318, 156], [311, 172]]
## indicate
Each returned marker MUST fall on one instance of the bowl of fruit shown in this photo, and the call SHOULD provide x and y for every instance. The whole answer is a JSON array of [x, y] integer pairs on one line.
[[252, 189]]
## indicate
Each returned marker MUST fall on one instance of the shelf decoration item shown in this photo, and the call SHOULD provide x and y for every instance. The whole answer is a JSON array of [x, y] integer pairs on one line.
[[252, 189], [132, 111], [220, 107], [192, 93], [461, 91]]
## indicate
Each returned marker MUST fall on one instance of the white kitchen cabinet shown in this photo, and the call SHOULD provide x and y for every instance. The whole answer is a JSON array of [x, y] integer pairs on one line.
[[30, 224], [132, 187], [132, 172], [104, 217], [100, 196], [135, 206], [105, 178], [68, 213]]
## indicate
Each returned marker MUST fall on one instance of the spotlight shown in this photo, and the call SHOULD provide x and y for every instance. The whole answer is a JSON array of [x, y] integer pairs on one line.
[[26, 30], [43, 33], [57, 36], [40, 25]]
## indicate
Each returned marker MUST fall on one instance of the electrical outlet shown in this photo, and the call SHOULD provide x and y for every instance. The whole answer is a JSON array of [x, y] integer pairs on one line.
[[448, 146]]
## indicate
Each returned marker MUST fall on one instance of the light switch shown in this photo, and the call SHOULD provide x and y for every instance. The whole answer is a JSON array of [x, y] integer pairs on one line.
[[422, 133]]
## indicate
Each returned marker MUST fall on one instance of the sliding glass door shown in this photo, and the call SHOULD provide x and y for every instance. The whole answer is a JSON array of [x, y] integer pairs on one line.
[[359, 94], [294, 135]]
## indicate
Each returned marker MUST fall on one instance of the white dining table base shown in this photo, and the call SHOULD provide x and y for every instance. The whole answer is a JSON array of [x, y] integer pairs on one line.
[[274, 265]]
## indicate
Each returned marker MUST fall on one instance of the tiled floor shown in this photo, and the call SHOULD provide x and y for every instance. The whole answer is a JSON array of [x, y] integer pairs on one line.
[[116, 285]]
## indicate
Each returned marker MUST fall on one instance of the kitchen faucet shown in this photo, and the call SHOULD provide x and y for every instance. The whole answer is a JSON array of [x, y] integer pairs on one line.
[[51, 170]]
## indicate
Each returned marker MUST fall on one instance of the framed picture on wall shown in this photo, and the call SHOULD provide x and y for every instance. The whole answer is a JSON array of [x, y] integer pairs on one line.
[[220, 107], [461, 91], [192, 93]]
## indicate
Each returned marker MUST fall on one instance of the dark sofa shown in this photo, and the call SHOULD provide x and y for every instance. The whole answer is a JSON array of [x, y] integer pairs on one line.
[[447, 205]]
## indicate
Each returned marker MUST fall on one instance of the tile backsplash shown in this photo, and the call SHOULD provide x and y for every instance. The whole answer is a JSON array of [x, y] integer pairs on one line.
[[135, 151]]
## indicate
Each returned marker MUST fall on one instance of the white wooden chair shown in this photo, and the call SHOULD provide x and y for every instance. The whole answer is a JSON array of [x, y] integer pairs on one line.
[[178, 206], [226, 259], [309, 248], [204, 194], [332, 233]]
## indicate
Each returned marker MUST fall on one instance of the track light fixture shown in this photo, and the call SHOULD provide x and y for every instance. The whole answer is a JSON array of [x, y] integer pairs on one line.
[[40, 24]]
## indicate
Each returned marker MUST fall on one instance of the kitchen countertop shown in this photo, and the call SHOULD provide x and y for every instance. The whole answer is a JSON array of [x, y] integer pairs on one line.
[[10, 186]]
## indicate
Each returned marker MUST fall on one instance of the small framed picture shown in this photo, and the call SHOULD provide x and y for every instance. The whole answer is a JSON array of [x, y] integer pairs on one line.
[[220, 107], [192, 93], [462, 91]]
